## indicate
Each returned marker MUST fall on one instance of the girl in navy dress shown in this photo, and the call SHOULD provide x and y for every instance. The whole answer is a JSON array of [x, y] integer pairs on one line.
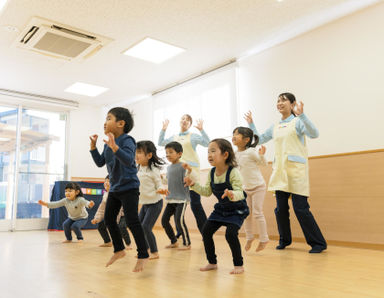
[[224, 181]]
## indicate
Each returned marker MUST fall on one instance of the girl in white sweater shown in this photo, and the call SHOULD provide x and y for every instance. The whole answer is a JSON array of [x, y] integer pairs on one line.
[[149, 165], [249, 159]]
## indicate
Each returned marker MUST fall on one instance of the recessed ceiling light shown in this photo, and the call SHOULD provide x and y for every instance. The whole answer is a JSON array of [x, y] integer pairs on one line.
[[86, 89], [153, 51], [2, 4]]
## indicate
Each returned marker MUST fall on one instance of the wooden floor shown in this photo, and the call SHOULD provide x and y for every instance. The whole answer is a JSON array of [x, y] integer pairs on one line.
[[37, 264]]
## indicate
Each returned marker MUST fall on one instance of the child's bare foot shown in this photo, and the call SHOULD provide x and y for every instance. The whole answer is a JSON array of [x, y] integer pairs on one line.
[[128, 247], [172, 245], [154, 255], [248, 245], [261, 246], [237, 270], [140, 265], [67, 241], [184, 247], [108, 244], [117, 255], [209, 267], [80, 241]]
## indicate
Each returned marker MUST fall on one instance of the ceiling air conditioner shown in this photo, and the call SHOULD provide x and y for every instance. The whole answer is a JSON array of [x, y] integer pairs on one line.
[[59, 41]]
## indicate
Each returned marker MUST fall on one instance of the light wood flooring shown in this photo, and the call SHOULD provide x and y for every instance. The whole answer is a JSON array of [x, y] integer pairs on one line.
[[37, 264]]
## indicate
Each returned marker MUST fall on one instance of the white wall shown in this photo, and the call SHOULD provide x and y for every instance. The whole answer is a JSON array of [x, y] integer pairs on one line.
[[142, 115], [85, 121], [337, 71]]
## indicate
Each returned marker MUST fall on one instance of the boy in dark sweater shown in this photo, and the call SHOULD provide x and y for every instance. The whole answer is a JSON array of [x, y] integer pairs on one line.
[[119, 156]]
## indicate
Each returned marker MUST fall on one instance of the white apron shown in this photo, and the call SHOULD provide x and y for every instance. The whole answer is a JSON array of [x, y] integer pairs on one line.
[[290, 167]]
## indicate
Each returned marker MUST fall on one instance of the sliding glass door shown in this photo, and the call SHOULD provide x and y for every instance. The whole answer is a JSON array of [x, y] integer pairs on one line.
[[8, 129], [32, 159]]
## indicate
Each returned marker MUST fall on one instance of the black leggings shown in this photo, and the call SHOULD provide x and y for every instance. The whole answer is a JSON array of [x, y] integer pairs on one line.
[[123, 230], [232, 236], [130, 201]]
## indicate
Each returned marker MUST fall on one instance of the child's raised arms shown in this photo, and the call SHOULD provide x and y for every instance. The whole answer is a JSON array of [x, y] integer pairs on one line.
[[93, 139], [111, 142]]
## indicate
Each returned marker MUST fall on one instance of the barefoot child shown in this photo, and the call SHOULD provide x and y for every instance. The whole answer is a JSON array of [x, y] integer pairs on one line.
[[224, 181], [149, 165], [77, 214], [177, 197], [119, 156], [99, 220], [249, 159]]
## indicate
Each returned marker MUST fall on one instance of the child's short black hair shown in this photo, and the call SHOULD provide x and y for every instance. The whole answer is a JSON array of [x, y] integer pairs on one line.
[[175, 146], [75, 186], [125, 115]]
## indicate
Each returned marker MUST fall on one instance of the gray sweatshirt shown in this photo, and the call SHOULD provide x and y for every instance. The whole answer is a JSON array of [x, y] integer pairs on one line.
[[175, 178], [76, 208]]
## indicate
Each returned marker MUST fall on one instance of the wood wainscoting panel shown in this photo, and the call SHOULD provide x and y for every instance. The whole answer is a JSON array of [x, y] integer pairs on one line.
[[347, 199]]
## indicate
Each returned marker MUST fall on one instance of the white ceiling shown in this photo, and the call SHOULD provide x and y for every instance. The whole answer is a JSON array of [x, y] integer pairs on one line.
[[211, 31]]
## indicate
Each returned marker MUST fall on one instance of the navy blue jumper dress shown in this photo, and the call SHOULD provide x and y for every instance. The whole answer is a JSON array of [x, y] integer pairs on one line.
[[226, 213]]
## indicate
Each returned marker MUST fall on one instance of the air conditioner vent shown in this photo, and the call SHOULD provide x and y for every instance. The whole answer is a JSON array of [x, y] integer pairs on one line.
[[29, 34], [59, 41]]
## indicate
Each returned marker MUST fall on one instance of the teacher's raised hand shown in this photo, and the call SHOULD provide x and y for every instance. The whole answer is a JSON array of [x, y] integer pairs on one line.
[[248, 117], [299, 108], [199, 124]]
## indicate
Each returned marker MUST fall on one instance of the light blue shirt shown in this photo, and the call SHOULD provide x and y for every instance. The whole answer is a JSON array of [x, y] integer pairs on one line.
[[303, 127], [196, 139]]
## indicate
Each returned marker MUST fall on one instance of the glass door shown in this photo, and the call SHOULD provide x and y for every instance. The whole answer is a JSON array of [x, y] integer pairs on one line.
[[8, 129], [42, 162], [32, 158]]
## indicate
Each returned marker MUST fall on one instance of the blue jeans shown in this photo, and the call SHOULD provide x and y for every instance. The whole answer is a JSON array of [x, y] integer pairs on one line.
[[75, 225], [149, 213]]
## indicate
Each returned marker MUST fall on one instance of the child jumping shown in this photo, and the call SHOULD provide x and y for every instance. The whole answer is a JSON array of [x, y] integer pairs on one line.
[[119, 156], [99, 220], [149, 165], [224, 181], [249, 159], [177, 197], [77, 214]]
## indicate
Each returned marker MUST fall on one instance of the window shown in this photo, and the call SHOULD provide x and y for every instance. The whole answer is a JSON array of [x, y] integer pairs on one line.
[[210, 98], [41, 159]]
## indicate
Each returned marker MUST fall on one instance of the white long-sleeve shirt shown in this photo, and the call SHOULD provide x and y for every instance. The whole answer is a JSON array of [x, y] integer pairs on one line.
[[150, 182], [249, 161]]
